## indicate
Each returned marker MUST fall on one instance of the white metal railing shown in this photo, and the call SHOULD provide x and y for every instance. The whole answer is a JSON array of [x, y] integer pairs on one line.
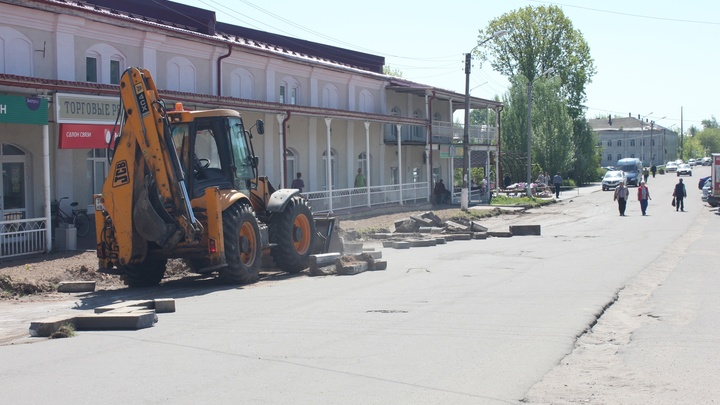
[[348, 198], [22, 237], [446, 132]]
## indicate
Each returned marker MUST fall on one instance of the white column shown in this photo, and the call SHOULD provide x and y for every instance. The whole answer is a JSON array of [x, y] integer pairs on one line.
[[46, 187], [328, 164], [313, 177], [281, 143], [400, 162], [367, 159]]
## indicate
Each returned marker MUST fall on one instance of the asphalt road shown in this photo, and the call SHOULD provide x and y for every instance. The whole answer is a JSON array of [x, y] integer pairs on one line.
[[598, 309]]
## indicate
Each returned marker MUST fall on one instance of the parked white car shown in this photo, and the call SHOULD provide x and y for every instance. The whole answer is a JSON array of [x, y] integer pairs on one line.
[[671, 167], [692, 162]]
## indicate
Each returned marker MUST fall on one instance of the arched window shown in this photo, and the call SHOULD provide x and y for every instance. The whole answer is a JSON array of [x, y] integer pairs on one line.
[[366, 102], [619, 156], [180, 75], [416, 131], [609, 143], [619, 142], [632, 142], [609, 158], [16, 53], [364, 162], [330, 96], [437, 117], [103, 64], [333, 168], [289, 91], [242, 84], [393, 128]]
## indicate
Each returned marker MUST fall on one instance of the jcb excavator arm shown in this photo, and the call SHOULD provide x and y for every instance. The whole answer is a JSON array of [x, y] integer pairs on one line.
[[145, 195]]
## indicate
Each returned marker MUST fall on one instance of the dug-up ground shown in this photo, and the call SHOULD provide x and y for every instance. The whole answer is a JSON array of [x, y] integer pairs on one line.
[[36, 277]]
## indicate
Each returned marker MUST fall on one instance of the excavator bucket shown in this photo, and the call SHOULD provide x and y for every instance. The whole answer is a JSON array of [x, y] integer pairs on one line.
[[327, 238]]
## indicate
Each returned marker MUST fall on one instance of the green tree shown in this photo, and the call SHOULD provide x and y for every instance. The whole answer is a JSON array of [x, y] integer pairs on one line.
[[693, 148], [388, 70], [709, 139], [552, 128], [539, 38], [711, 123]]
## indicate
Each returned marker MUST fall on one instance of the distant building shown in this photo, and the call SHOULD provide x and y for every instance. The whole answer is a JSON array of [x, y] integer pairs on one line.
[[630, 137]]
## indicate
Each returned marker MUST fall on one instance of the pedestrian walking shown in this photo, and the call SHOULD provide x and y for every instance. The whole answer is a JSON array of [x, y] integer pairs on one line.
[[298, 183], [679, 195], [653, 169], [621, 196], [645, 174], [643, 197], [557, 183], [359, 179]]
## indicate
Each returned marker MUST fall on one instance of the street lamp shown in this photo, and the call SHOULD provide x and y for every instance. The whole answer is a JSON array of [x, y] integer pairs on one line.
[[464, 192], [642, 136], [529, 121]]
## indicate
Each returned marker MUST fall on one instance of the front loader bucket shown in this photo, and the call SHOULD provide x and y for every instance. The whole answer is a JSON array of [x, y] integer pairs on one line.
[[327, 238]]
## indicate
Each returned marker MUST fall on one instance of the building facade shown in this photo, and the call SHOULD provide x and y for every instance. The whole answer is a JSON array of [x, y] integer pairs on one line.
[[630, 137], [327, 111]]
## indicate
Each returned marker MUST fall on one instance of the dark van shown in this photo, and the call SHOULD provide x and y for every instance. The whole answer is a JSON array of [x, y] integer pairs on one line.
[[632, 168]]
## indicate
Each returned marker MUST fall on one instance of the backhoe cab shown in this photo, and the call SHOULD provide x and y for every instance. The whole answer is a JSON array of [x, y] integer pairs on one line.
[[185, 184]]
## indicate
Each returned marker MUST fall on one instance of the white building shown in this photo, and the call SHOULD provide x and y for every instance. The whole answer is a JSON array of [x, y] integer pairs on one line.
[[60, 62]]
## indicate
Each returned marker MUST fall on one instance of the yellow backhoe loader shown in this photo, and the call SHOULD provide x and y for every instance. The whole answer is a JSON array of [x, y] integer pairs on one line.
[[185, 184]]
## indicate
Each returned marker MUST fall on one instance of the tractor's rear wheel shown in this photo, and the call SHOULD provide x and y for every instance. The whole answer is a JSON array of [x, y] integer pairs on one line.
[[293, 233], [145, 274], [243, 247]]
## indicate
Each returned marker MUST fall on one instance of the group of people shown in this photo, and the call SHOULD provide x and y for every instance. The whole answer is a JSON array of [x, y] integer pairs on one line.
[[622, 193], [298, 182]]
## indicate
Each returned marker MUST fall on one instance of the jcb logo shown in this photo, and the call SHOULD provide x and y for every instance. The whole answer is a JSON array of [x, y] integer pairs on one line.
[[141, 100], [121, 175]]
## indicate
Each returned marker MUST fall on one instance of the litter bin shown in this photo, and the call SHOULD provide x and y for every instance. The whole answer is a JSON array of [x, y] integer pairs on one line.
[[66, 237]]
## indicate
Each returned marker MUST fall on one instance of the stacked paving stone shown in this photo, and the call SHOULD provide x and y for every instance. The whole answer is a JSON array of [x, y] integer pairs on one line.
[[125, 315], [346, 264], [429, 230]]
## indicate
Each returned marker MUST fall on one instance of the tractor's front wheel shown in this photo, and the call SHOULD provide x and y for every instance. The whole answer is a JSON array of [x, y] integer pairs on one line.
[[293, 233], [242, 245], [146, 274]]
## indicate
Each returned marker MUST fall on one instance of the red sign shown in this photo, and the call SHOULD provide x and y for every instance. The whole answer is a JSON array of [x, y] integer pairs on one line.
[[716, 173], [85, 136]]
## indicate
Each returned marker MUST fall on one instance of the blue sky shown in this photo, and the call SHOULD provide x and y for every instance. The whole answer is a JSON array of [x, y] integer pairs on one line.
[[651, 56]]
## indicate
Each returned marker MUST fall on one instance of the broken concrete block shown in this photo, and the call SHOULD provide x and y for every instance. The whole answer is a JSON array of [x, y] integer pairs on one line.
[[323, 259], [48, 326], [440, 241], [462, 236], [434, 218], [406, 225], [329, 270], [164, 305], [500, 234], [422, 221], [379, 265], [480, 235], [475, 227], [349, 269], [454, 226], [133, 304], [388, 243], [374, 254], [401, 245], [518, 230], [76, 286]]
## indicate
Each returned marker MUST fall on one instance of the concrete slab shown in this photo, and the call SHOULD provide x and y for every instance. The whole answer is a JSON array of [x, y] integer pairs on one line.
[[48, 326], [352, 247], [323, 259], [76, 286], [116, 321], [164, 305], [500, 234], [401, 245], [463, 236], [133, 304], [480, 235]]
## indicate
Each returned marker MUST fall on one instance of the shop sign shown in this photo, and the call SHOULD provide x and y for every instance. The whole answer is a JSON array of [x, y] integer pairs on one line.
[[23, 110], [78, 108], [85, 136]]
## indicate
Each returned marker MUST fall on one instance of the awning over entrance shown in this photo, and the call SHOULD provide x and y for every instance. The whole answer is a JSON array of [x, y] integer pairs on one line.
[[85, 136]]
